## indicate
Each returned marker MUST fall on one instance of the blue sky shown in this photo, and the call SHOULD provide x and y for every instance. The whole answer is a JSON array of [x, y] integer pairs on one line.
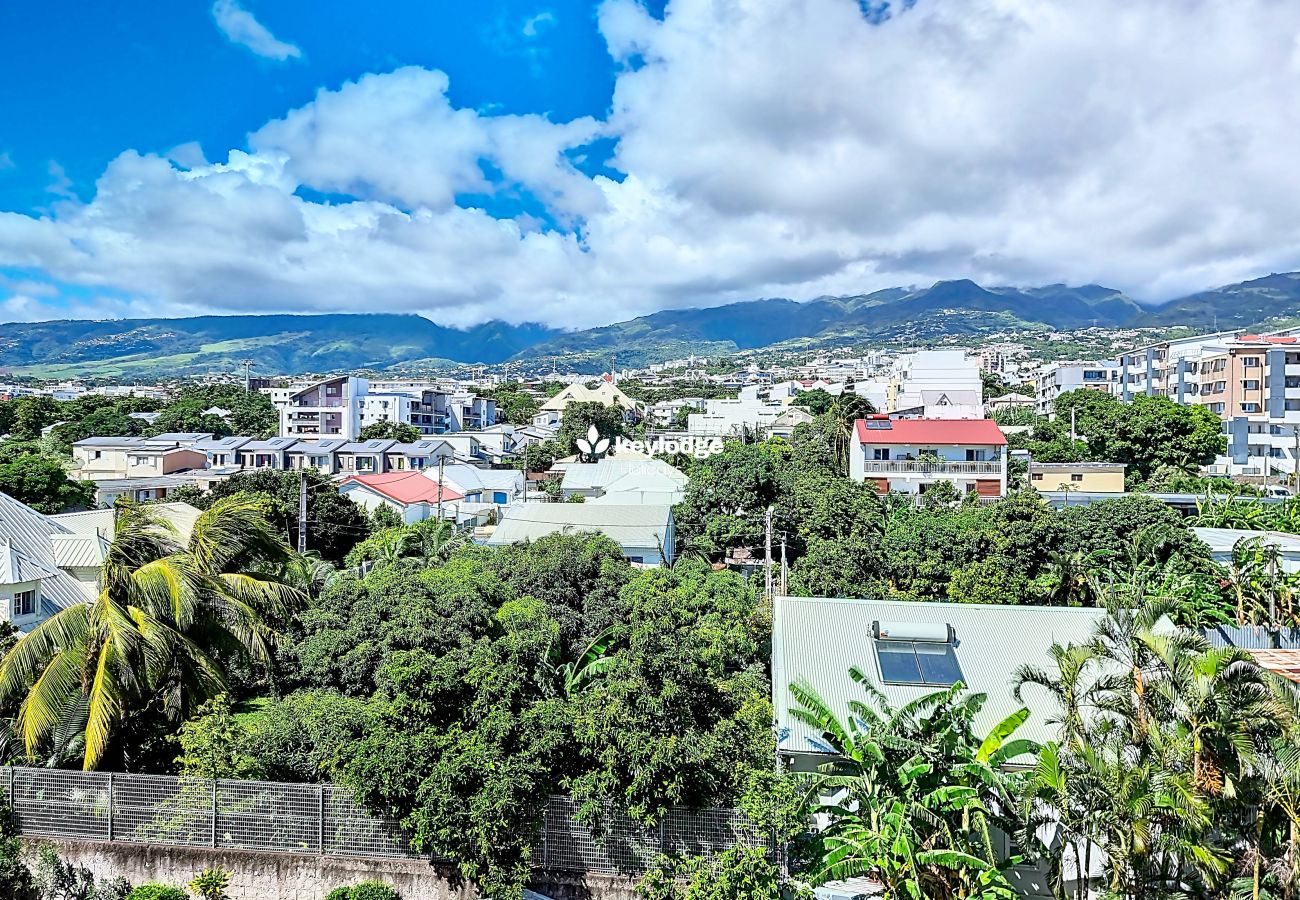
[[581, 163], [86, 80]]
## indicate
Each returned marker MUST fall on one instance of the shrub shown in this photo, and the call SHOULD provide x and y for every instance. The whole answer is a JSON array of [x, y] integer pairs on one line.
[[156, 891], [210, 884], [372, 890], [339, 894]]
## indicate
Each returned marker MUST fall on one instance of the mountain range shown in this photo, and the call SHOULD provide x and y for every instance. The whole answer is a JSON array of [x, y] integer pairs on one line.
[[292, 344]]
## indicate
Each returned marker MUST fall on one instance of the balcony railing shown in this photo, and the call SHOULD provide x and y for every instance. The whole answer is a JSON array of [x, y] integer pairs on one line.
[[915, 467]]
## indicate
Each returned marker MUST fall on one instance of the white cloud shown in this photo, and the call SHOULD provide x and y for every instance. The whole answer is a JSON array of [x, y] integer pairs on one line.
[[240, 27], [6, 161], [537, 24], [770, 149]]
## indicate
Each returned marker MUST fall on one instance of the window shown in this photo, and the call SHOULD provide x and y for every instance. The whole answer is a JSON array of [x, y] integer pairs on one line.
[[880, 453], [499, 497], [1076, 476], [1250, 407], [1036, 476], [24, 603], [1250, 384], [1250, 362]]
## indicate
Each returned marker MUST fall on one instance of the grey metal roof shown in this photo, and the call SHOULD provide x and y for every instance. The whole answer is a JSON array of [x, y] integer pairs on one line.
[[234, 442], [184, 437], [629, 526], [28, 535], [125, 442], [275, 444], [818, 639], [316, 448], [1225, 539], [373, 446], [591, 476], [155, 481], [1253, 637]]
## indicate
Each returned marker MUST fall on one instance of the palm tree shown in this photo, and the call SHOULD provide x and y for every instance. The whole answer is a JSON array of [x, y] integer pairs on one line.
[[158, 633]]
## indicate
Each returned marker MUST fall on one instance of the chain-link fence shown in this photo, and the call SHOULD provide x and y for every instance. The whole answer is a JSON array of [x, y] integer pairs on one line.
[[323, 819]]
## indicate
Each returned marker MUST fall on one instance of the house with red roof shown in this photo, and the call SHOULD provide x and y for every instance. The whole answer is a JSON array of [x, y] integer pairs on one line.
[[910, 455], [410, 494]]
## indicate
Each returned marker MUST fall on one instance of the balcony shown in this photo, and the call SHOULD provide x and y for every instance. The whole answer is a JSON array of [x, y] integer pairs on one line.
[[941, 469]]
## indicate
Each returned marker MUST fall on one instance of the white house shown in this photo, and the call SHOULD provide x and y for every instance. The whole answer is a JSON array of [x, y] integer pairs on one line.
[[34, 550], [909, 455], [646, 533], [1223, 541], [625, 480], [409, 494]]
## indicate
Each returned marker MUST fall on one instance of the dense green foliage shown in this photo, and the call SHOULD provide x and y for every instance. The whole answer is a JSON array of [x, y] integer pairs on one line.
[[364, 890], [1154, 436], [154, 891], [42, 483], [334, 523], [390, 431]]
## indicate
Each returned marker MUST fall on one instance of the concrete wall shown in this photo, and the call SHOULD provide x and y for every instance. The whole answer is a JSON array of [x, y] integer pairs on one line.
[[283, 876]]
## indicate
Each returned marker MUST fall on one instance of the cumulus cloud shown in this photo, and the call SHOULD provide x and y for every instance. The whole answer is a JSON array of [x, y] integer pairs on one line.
[[240, 27], [765, 149]]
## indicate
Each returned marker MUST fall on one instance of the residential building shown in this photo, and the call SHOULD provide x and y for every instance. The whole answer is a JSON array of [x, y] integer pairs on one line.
[[951, 371], [625, 480], [34, 550], [329, 408], [606, 393], [729, 418], [910, 455], [1009, 402], [94, 529], [645, 533], [908, 650], [491, 487], [1089, 477], [341, 407], [409, 494], [134, 457], [1224, 541], [268, 454], [1054, 379]]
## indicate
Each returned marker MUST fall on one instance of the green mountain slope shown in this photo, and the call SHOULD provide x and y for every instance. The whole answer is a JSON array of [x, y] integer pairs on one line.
[[322, 343], [276, 343]]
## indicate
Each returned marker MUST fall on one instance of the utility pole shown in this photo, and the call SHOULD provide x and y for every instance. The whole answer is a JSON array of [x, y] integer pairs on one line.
[[1295, 469], [785, 569], [302, 511], [441, 460], [1073, 438], [767, 557]]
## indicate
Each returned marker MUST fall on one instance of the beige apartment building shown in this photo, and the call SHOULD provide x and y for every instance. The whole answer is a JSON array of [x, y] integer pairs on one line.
[[1250, 381]]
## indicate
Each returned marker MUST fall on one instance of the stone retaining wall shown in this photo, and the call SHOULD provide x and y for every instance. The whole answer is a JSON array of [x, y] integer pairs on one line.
[[284, 876]]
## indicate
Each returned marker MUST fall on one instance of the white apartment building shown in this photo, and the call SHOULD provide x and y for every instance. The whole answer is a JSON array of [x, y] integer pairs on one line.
[[1054, 379], [910, 455], [341, 407], [936, 371]]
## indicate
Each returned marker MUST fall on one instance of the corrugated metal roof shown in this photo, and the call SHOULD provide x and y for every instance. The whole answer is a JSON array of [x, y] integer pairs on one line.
[[1253, 637], [629, 526], [1224, 539], [28, 532], [818, 639]]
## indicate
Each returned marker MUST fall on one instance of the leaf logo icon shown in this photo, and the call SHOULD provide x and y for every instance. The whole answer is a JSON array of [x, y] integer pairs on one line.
[[593, 444]]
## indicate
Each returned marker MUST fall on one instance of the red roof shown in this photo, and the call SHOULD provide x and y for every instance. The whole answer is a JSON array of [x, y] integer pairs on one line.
[[406, 487], [930, 432]]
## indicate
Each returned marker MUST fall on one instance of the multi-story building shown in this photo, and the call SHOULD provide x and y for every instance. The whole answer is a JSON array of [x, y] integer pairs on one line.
[[943, 371], [1054, 379], [910, 455], [341, 407]]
